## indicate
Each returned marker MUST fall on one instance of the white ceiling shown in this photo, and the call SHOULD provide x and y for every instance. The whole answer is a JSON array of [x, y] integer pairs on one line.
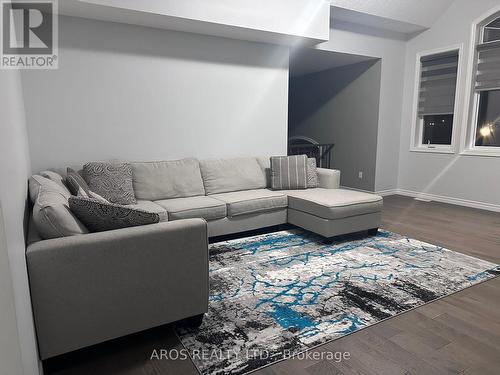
[[417, 12], [405, 29], [288, 22], [309, 60]]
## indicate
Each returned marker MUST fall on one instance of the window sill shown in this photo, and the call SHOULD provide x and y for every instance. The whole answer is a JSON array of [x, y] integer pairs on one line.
[[481, 152], [433, 150]]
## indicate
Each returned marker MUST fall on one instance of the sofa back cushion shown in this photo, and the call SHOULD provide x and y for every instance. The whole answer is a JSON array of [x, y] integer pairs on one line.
[[51, 214], [265, 164], [158, 180], [225, 175]]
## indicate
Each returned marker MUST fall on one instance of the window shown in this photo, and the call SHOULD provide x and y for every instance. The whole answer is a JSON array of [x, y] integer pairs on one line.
[[437, 129], [488, 119], [437, 82], [488, 86], [484, 121]]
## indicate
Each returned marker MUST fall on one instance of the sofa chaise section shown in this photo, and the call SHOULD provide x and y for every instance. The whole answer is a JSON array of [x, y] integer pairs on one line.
[[334, 204], [91, 288], [331, 212]]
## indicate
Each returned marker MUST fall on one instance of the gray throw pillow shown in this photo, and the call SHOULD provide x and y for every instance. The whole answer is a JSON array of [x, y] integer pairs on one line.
[[51, 214], [112, 181], [75, 182], [54, 176], [312, 173], [91, 194], [289, 172], [36, 182], [99, 216]]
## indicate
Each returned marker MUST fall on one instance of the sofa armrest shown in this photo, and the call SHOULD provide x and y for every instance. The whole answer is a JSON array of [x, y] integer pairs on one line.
[[90, 288], [329, 178]]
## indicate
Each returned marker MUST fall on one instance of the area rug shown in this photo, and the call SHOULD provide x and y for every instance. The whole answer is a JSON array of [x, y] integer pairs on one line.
[[276, 295]]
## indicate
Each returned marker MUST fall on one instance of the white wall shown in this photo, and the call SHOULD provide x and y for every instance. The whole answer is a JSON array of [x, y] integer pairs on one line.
[[471, 178], [392, 55], [14, 169], [10, 350], [132, 92]]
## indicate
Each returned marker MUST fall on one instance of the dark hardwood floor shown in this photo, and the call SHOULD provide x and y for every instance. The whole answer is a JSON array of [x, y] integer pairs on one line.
[[459, 334]]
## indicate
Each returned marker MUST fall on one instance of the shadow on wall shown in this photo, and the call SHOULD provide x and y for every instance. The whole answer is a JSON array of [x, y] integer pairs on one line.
[[143, 41], [320, 88], [137, 93]]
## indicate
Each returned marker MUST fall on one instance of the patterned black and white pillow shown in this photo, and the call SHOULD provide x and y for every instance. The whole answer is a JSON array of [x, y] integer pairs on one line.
[[312, 173], [289, 172], [112, 181], [100, 216]]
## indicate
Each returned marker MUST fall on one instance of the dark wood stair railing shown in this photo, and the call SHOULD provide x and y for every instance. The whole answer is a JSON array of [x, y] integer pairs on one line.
[[321, 152]]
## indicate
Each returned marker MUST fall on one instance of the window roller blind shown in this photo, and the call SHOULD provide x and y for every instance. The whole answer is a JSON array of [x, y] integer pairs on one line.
[[488, 66], [438, 79]]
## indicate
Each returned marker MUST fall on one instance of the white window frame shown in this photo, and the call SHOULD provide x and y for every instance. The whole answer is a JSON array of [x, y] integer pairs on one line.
[[468, 146], [417, 123]]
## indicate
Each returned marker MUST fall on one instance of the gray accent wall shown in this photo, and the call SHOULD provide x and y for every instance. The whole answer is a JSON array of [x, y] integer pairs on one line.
[[360, 40], [138, 93], [341, 106]]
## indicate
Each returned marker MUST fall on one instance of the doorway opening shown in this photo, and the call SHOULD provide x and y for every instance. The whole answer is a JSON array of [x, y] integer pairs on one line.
[[333, 111]]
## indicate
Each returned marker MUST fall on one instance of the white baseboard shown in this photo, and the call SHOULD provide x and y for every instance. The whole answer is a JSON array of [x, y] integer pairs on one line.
[[450, 200], [433, 197], [355, 189], [382, 193], [387, 192]]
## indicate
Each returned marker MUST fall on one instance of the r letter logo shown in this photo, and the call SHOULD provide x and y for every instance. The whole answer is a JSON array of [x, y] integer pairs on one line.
[[29, 34]]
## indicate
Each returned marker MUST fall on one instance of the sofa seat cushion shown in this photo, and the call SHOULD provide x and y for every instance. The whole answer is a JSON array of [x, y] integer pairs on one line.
[[252, 201], [334, 203], [150, 206], [201, 206]]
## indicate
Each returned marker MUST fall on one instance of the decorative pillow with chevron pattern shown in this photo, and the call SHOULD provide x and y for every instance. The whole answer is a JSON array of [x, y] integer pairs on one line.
[[99, 216]]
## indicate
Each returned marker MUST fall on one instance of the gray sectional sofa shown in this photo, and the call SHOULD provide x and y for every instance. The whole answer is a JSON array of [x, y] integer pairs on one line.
[[97, 286], [233, 195]]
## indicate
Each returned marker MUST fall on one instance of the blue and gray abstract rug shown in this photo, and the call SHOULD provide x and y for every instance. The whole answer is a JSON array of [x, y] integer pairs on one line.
[[276, 295]]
